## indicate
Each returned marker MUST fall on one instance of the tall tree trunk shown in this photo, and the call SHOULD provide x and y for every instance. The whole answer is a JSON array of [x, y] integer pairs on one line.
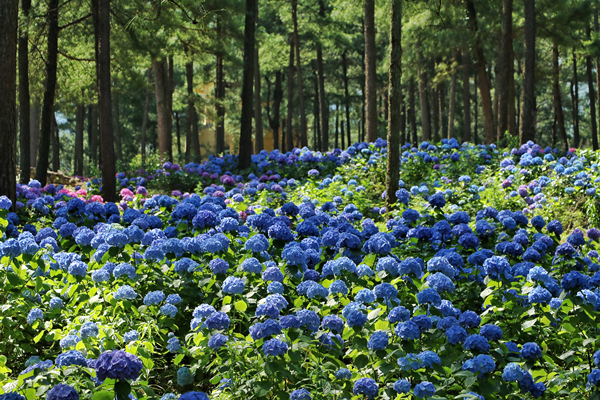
[[435, 106], [274, 119], [442, 110], [170, 88], [597, 62], [529, 102], [322, 95], [423, 96], [178, 132], [466, 62], [245, 159], [258, 131], [145, 117], [220, 96], [575, 101], [104, 100], [316, 116], [34, 123], [192, 143], [370, 71], [24, 98], [79, 122], [91, 139], [41, 172], [403, 123], [8, 99], [395, 101], [412, 112], [592, 94], [303, 127], [475, 110], [511, 114], [342, 135], [161, 87], [117, 123], [557, 97], [452, 101], [337, 126], [55, 146], [505, 68], [290, 101], [346, 99], [484, 82]]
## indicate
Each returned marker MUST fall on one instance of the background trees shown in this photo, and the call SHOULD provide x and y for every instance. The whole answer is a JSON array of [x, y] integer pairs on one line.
[[489, 70]]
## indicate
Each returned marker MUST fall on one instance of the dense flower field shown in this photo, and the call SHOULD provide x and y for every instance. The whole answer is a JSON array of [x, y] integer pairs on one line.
[[482, 284]]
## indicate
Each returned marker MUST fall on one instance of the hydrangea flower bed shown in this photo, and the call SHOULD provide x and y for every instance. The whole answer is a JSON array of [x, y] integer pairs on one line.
[[268, 287]]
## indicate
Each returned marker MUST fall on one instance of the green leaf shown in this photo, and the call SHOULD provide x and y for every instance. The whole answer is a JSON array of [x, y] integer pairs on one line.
[[361, 361], [122, 388], [103, 395], [470, 381], [38, 337], [262, 388], [528, 324], [178, 359], [14, 279], [487, 292], [241, 306]]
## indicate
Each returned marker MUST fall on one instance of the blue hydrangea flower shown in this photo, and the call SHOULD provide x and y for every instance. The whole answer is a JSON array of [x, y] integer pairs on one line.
[[56, 303], [402, 386], [34, 315], [217, 341], [379, 340], [184, 378], [274, 347], [424, 389], [89, 329], [131, 336], [153, 298], [125, 292], [477, 343], [169, 310], [300, 394], [512, 372], [62, 392], [367, 387], [343, 374], [531, 351], [233, 285], [481, 364], [338, 287]]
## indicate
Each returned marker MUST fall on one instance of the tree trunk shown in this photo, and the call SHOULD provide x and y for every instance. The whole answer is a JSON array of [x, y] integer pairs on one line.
[[557, 97], [484, 82], [342, 135], [41, 172], [337, 126], [245, 158], [258, 131], [104, 100], [24, 98], [511, 115], [597, 30], [370, 71], [403, 123], [322, 95], [117, 124], [592, 94], [91, 138], [529, 102], [277, 99], [505, 68], [162, 106], [55, 146], [316, 116], [145, 117], [423, 96], [395, 101], [412, 113], [466, 62], [220, 97], [170, 87], [442, 110], [346, 99], [192, 144], [178, 132], [475, 110], [290, 101], [8, 99], [79, 122], [34, 123], [435, 107], [303, 128], [575, 101], [452, 105]]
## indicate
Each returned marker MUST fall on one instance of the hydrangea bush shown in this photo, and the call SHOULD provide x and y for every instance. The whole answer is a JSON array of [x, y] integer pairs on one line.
[[273, 287]]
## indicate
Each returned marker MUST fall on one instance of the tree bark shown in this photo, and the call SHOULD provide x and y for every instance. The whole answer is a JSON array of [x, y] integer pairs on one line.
[[412, 113], [475, 110], [79, 122], [592, 95], [170, 87], [466, 62], [423, 96], [24, 98], [435, 107], [505, 68], [145, 117], [258, 131], [274, 122], [303, 126], [529, 101], [597, 62], [557, 97], [162, 106], [316, 116], [117, 123], [484, 82], [511, 115], [395, 101], [55, 146], [34, 123], [290, 100], [91, 139], [442, 110], [192, 143], [220, 96], [403, 122], [337, 126], [178, 132], [575, 101], [245, 158], [370, 71], [452, 101], [324, 106], [342, 134], [346, 99], [104, 100], [41, 172], [8, 99]]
